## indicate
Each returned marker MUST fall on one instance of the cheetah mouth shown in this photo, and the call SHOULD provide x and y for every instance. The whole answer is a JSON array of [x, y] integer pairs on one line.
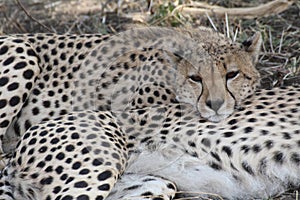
[[217, 117]]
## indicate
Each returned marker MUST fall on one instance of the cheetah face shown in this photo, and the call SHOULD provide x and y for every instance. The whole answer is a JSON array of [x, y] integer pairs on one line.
[[219, 85]]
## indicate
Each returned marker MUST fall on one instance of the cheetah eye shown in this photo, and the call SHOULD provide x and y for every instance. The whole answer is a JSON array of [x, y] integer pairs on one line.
[[231, 75], [195, 78]]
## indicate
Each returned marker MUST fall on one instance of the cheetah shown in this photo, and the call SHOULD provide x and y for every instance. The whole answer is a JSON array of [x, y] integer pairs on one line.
[[44, 76], [153, 152]]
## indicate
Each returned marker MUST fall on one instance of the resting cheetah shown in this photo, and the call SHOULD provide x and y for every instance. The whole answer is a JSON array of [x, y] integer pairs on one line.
[[156, 151], [44, 76]]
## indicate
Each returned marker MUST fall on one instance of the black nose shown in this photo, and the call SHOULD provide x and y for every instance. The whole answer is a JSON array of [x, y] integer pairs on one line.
[[215, 105]]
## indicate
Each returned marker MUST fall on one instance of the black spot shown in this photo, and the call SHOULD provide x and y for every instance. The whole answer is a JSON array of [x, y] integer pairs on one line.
[[70, 179], [80, 184], [216, 156], [228, 134], [76, 165], [57, 189], [104, 187], [99, 197], [14, 101], [49, 169], [3, 50], [8, 61], [97, 162], [3, 103], [70, 148], [60, 156], [28, 74], [34, 175], [147, 89], [35, 111], [3, 81], [75, 136], [28, 86], [32, 141], [147, 194], [206, 142], [271, 93], [40, 38], [104, 175], [20, 65], [67, 197], [19, 50], [36, 91], [31, 160], [27, 124], [259, 107], [191, 144], [61, 45], [142, 57], [295, 157], [287, 136], [84, 151], [46, 104], [164, 132], [215, 166], [59, 130], [249, 112], [252, 120], [245, 148], [227, 150], [53, 52], [145, 139], [83, 197], [190, 132], [248, 129], [63, 56], [278, 157], [43, 133], [263, 114], [133, 187], [171, 186], [256, 148], [132, 57], [46, 181], [51, 41], [88, 44], [270, 124], [54, 141], [84, 171], [247, 168], [178, 114]]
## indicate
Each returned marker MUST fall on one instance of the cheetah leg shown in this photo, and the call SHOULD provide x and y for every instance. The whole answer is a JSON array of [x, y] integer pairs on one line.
[[77, 156], [19, 69], [142, 187]]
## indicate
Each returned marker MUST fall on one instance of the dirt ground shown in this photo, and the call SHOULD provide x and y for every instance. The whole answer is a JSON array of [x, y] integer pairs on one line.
[[279, 62]]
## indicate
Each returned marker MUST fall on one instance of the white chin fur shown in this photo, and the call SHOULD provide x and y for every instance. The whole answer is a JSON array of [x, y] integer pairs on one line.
[[216, 118]]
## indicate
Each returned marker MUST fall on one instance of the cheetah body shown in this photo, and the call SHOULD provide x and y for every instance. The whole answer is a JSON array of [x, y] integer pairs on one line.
[[78, 126], [132, 70]]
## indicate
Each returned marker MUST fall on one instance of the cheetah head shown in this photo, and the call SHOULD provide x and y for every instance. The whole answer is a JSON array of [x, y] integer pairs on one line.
[[223, 80]]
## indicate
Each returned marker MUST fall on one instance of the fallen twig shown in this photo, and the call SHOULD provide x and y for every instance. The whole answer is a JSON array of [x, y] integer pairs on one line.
[[200, 8], [31, 17]]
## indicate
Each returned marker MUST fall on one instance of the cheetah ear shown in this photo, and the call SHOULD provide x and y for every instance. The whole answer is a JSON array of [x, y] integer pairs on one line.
[[252, 45]]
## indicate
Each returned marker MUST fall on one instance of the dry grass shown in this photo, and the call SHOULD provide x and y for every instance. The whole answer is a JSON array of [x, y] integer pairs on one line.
[[279, 63]]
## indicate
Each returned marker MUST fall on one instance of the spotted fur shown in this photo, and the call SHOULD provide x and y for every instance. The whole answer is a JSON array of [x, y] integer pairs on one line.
[[134, 69], [158, 151]]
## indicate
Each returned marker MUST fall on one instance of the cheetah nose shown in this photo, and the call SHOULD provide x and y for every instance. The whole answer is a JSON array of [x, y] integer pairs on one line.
[[214, 105]]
